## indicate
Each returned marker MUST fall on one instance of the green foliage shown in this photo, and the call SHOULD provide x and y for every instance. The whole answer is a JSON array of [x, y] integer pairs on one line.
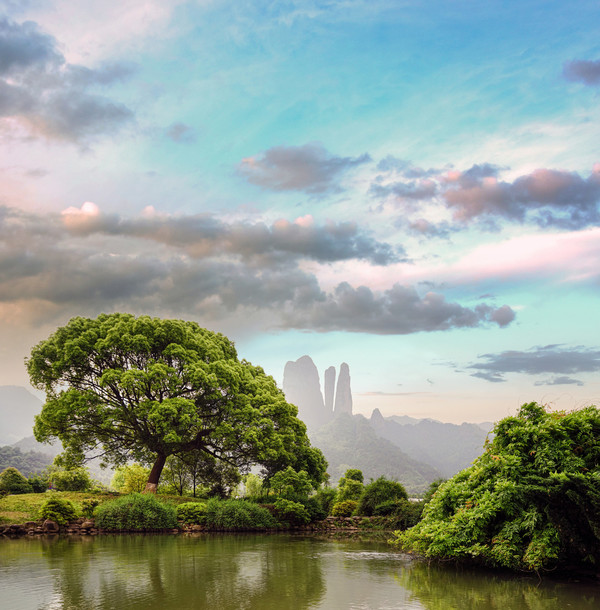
[[88, 507], [192, 512], [378, 491], [12, 481], [75, 479], [291, 513], [145, 389], [130, 479], [530, 502], [405, 514], [253, 486], [136, 512], [315, 509], [38, 483], [291, 484], [58, 509], [354, 474], [350, 486], [237, 515], [325, 497], [435, 485], [344, 509]]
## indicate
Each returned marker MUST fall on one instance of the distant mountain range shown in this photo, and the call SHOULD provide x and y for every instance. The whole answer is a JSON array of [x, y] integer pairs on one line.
[[412, 451]]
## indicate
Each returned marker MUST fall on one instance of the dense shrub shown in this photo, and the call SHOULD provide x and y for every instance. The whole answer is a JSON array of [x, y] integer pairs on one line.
[[530, 502], [58, 509], [402, 513], [354, 474], [192, 512], [237, 514], [379, 491], [315, 510], [38, 483], [325, 498], [88, 506], [130, 479], [292, 513], [12, 481], [136, 512], [344, 509], [74, 479], [350, 486], [291, 484]]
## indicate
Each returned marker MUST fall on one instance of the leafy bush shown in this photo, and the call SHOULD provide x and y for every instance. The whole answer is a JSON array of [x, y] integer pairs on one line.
[[531, 501], [58, 509], [12, 481], [354, 474], [38, 483], [192, 512], [344, 509], [130, 479], [88, 506], [237, 514], [350, 489], [315, 509], [403, 513], [136, 512], [291, 484], [292, 513], [379, 491], [325, 498], [350, 486], [74, 479]]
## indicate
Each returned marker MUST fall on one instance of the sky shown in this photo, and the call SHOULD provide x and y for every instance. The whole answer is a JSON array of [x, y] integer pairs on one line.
[[410, 187]]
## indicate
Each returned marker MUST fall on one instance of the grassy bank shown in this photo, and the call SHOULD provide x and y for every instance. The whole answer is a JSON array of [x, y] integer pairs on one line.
[[20, 508]]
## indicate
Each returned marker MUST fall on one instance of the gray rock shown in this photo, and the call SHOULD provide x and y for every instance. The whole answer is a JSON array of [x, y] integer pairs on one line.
[[302, 388], [343, 394], [329, 383]]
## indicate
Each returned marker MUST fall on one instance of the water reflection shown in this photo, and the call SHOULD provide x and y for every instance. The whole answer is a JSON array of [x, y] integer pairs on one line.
[[448, 588], [249, 572]]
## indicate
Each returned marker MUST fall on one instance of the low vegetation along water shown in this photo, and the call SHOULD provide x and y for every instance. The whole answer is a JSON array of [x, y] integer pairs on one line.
[[248, 571]]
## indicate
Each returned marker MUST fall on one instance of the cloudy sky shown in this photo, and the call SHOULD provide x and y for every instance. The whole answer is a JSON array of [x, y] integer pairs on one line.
[[410, 187]]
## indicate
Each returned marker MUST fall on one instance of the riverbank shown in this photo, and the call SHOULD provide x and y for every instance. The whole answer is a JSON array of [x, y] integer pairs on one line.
[[87, 527]]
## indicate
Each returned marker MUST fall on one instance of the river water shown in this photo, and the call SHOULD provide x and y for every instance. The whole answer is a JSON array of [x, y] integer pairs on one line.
[[255, 572]]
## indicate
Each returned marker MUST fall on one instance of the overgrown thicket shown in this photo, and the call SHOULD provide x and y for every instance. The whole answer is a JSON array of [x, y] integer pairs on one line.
[[530, 502]]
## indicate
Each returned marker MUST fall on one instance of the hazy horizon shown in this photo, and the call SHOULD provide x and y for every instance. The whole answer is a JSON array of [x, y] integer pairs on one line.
[[412, 188]]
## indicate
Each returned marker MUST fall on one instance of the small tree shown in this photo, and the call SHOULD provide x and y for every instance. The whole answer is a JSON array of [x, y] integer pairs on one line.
[[12, 481], [377, 492], [291, 484], [74, 479], [350, 486], [130, 479]]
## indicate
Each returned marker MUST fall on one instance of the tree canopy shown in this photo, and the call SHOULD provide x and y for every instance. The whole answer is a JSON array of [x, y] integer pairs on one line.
[[530, 502], [146, 388]]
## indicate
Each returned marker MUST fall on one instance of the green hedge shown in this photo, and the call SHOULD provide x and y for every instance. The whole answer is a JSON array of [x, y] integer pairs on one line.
[[237, 514]]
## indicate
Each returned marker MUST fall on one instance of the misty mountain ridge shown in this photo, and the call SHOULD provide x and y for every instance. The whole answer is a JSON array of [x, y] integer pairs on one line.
[[433, 449]]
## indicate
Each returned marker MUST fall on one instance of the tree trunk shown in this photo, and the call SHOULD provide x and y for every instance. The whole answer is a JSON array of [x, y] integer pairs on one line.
[[154, 476]]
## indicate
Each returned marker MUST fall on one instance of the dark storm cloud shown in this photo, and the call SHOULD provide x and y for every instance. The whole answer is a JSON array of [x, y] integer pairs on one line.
[[555, 359], [83, 263], [583, 71], [397, 311], [309, 168], [546, 197], [204, 235], [49, 96]]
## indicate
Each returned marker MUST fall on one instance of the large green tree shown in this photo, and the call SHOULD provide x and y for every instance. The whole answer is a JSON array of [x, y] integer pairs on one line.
[[145, 388], [530, 502]]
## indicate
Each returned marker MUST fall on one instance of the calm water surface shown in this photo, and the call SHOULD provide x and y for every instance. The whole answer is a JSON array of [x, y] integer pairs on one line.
[[261, 572]]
